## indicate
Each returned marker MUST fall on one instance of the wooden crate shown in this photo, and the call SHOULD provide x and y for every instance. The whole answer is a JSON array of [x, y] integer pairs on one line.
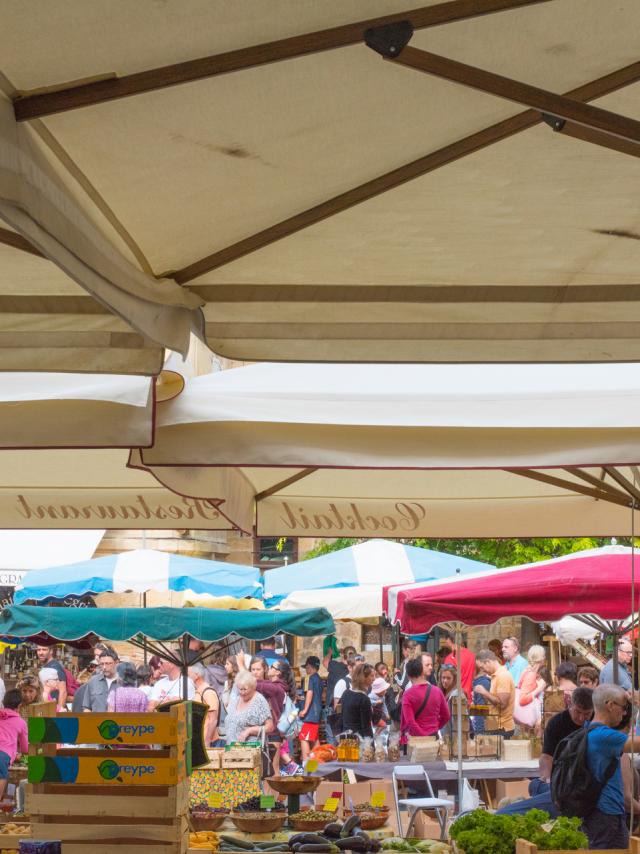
[[143, 806], [516, 750], [524, 847], [241, 757], [100, 820]]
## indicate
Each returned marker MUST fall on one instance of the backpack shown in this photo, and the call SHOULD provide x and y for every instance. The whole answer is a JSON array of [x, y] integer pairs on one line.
[[289, 725], [574, 789]]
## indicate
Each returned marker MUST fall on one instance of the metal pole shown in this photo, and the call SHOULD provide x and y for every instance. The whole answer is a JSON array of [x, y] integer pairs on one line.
[[458, 640], [380, 635], [616, 638], [185, 667]]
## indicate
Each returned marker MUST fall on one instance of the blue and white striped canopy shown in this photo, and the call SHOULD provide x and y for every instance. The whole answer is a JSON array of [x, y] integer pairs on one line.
[[349, 582], [139, 571]]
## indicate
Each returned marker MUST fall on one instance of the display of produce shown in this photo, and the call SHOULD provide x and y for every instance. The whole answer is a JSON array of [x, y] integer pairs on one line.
[[253, 805], [481, 832], [334, 837], [206, 840], [415, 846]]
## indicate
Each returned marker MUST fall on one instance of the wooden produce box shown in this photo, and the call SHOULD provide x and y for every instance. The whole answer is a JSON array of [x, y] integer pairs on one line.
[[101, 820], [423, 748], [516, 750], [524, 847], [241, 757]]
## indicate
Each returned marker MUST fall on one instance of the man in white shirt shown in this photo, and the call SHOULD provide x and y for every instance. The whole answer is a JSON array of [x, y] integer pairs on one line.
[[169, 686]]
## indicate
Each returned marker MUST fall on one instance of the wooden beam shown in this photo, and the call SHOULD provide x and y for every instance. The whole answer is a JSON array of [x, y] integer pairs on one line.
[[72, 96], [596, 137], [594, 118], [598, 482], [552, 480], [418, 294], [408, 172], [623, 482], [17, 241], [277, 487]]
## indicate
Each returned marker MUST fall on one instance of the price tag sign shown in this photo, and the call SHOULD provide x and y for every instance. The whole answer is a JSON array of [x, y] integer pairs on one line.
[[215, 799], [331, 804], [267, 802], [378, 799], [312, 765]]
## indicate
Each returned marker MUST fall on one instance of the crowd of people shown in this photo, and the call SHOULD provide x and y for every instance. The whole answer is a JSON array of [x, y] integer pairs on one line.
[[249, 698]]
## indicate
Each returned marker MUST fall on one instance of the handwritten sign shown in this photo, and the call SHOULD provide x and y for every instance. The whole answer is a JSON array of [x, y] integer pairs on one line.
[[215, 800], [311, 766], [267, 802], [378, 799], [331, 804]]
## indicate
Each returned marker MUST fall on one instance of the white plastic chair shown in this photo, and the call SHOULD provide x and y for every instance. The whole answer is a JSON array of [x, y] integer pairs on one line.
[[415, 805]]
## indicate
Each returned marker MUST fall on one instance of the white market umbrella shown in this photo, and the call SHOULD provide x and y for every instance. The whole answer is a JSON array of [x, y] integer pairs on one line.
[[404, 451], [447, 224]]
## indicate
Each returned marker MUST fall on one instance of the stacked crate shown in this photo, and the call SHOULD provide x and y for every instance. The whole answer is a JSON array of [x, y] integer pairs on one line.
[[124, 788]]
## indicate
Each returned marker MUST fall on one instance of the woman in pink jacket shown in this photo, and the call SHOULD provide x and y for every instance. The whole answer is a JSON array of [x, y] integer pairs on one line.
[[13, 735]]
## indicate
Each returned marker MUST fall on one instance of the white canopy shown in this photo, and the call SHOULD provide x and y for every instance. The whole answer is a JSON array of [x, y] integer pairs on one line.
[[75, 411], [449, 451], [321, 203]]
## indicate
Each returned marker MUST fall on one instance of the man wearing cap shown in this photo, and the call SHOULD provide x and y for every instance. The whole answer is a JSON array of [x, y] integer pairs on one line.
[[312, 709]]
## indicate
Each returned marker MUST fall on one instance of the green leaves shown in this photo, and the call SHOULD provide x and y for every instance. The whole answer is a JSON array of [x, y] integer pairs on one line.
[[480, 832]]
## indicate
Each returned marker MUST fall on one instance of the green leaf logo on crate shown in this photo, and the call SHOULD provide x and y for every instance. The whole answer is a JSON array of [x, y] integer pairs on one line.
[[110, 770], [110, 731]]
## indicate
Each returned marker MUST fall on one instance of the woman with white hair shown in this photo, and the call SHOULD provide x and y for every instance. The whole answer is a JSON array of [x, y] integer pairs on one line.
[[527, 710], [49, 681], [248, 712]]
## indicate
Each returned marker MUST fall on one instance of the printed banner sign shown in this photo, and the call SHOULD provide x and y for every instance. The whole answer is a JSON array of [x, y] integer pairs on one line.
[[105, 729], [107, 508], [107, 768], [317, 517]]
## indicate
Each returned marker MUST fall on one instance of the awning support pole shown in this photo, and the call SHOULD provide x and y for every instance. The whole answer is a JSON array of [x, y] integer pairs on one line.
[[458, 640]]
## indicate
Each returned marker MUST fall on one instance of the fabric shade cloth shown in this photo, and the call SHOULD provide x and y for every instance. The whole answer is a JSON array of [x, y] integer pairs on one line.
[[160, 624], [44, 410], [349, 582], [524, 250], [594, 582], [139, 571], [403, 451]]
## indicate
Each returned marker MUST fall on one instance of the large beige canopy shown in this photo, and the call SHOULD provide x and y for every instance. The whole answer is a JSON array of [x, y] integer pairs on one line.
[[470, 197], [407, 450]]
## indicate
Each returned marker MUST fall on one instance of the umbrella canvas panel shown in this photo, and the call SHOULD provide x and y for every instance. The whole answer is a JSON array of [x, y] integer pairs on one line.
[[349, 582], [140, 571], [160, 624], [69, 489], [329, 263], [596, 582]]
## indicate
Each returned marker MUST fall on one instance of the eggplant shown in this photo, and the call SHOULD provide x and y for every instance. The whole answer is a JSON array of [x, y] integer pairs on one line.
[[375, 846], [349, 826], [333, 829], [308, 838], [325, 849]]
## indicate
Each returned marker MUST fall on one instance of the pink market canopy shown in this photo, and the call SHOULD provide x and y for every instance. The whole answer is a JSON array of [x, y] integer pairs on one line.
[[595, 585]]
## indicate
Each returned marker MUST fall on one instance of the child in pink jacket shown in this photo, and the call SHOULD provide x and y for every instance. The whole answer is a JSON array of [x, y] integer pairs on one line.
[[13, 735]]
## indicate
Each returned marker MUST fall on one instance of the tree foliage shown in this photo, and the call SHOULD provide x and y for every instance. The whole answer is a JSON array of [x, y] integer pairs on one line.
[[505, 552]]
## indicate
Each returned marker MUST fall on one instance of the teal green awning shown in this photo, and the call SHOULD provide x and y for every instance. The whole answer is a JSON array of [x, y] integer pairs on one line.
[[160, 624]]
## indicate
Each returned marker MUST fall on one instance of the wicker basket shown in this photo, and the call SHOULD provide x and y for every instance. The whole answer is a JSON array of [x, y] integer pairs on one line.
[[207, 822], [371, 820], [299, 785], [311, 826], [258, 822]]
